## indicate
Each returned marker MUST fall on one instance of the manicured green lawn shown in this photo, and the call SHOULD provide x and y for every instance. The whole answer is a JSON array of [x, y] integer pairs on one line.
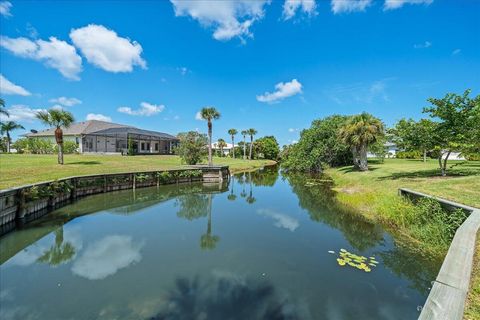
[[20, 169]]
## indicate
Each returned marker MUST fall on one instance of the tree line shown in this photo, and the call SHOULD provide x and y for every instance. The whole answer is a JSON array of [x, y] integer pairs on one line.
[[453, 125]]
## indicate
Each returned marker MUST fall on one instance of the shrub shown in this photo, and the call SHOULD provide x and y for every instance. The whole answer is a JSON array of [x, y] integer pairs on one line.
[[69, 147], [473, 157], [192, 148], [164, 177], [409, 155]]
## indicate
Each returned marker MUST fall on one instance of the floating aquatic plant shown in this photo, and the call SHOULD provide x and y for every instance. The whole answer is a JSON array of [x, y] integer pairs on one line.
[[356, 261]]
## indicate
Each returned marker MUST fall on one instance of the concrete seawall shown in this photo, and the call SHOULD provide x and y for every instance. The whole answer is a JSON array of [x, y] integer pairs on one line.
[[446, 300], [23, 204]]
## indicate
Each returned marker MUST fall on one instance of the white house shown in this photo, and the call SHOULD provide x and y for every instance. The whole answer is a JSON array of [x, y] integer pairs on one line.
[[226, 150]]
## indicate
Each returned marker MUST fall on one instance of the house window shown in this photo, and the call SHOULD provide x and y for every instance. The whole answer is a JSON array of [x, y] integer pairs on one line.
[[148, 146], [156, 146], [143, 146]]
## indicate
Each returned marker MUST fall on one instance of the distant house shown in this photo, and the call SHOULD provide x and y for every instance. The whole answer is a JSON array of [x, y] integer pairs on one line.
[[226, 150], [95, 136], [390, 148]]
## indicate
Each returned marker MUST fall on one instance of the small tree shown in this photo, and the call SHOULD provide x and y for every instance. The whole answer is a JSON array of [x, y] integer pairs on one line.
[[209, 114], [267, 147], [232, 132], [6, 128], [221, 144], [457, 125], [192, 148], [58, 119]]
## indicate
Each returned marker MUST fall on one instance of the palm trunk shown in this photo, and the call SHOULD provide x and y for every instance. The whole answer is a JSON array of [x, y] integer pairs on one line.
[[210, 163], [244, 148], [59, 139], [233, 147], [424, 155], [363, 164], [251, 147], [356, 161], [8, 142], [60, 153]]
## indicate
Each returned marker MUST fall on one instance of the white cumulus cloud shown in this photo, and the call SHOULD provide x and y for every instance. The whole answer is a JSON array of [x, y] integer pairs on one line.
[[290, 7], [281, 220], [106, 256], [198, 116], [395, 4], [146, 109], [5, 7], [228, 19], [9, 88], [339, 6], [282, 90], [98, 116], [54, 53], [67, 102], [105, 49], [20, 112], [426, 44]]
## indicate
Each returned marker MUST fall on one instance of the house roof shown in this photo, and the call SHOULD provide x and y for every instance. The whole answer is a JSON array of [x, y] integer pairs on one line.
[[100, 128]]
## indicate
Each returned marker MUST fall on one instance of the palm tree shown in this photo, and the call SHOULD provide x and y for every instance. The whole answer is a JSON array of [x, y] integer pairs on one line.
[[231, 196], [58, 119], [251, 132], [207, 240], [244, 134], [360, 131], [6, 128], [209, 114], [221, 144], [232, 132], [250, 199], [2, 108]]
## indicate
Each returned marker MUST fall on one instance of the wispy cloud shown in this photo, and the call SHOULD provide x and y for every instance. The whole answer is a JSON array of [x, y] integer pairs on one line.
[[396, 4], [424, 45], [67, 102], [291, 7], [9, 88], [456, 51], [5, 7], [360, 92], [146, 109], [347, 6], [282, 90], [228, 19], [98, 116], [20, 112], [281, 220]]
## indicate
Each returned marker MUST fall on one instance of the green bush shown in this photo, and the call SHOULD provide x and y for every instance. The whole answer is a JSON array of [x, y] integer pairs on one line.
[[409, 155], [473, 157], [42, 146], [69, 147]]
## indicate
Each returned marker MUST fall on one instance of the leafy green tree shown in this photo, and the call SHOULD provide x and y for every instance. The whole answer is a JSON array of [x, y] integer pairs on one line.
[[6, 128], [221, 144], [209, 114], [359, 132], [58, 119], [232, 132], [318, 146], [2, 108], [415, 136], [267, 147], [457, 124], [244, 134], [251, 132], [192, 148]]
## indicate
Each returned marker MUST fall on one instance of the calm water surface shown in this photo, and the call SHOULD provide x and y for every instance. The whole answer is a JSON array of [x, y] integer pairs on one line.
[[257, 248]]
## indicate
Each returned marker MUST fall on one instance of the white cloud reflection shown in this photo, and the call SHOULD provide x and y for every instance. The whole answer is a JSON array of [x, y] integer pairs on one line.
[[106, 256], [281, 220]]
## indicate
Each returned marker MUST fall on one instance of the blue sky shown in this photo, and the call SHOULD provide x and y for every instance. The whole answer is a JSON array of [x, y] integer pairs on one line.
[[274, 66]]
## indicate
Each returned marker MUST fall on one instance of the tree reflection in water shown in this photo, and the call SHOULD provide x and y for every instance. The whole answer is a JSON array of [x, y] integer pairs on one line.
[[59, 252], [226, 297], [209, 241]]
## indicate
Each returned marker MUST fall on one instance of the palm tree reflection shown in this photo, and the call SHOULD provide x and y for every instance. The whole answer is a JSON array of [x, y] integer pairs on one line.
[[59, 252], [207, 240]]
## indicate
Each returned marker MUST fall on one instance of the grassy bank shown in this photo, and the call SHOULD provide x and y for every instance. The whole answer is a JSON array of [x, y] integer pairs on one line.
[[374, 194], [20, 169]]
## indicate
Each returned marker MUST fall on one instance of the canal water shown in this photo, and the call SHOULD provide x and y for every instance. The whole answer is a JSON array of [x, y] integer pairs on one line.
[[263, 246]]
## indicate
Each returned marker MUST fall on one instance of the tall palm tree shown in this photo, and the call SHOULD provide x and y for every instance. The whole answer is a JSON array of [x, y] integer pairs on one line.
[[2, 108], [360, 131], [232, 132], [244, 134], [6, 128], [221, 144], [58, 119], [251, 132], [209, 114]]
